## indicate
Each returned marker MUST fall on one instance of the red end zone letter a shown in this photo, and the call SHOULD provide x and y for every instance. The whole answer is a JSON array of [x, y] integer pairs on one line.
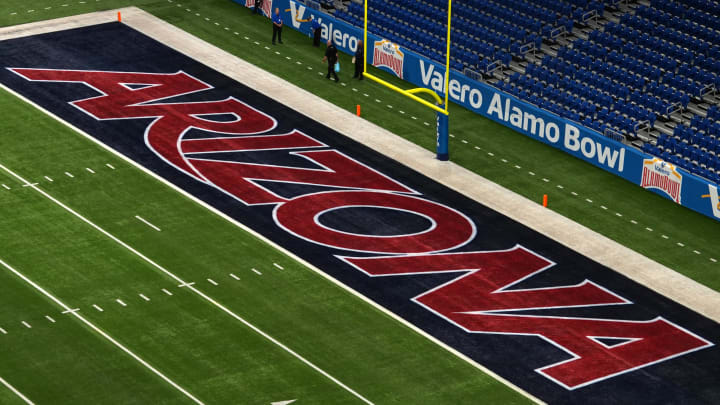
[[118, 101], [479, 302]]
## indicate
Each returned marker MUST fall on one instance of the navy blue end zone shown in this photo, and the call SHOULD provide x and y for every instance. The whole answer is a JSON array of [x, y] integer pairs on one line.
[[527, 285]]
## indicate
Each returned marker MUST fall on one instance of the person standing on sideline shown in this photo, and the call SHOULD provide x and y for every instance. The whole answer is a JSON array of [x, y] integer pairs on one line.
[[358, 60], [315, 28], [277, 26], [331, 56], [258, 7]]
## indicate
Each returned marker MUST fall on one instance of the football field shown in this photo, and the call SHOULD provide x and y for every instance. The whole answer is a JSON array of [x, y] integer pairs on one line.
[[143, 261]]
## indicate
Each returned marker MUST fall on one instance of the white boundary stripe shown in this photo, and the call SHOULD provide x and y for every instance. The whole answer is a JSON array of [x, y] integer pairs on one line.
[[182, 283], [98, 330], [141, 219], [16, 392], [136, 18]]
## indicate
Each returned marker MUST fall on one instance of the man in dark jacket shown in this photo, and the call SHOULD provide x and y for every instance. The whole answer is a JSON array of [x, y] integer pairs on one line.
[[258, 7], [358, 59], [331, 56]]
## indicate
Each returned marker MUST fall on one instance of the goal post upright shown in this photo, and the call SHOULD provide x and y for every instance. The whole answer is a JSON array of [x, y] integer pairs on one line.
[[440, 106]]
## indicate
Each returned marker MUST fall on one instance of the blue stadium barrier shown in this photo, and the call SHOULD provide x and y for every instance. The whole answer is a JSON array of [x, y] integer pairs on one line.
[[571, 137]]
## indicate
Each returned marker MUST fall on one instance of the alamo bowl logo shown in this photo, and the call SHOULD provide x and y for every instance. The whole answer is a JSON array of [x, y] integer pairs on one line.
[[660, 175], [388, 55], [714, 200]]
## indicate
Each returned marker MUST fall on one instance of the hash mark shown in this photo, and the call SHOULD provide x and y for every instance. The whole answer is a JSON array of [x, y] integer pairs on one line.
[[48, 179], [464, 141], [665, 237], [713, 260], [531, 173], [257, 272], [98, 308], [110, 166], [69, 174], [6, 187], [166, 291], [546, 180], [49, 318], [696, 252], [119, 301], [603, 207], [589, 200], [633, 221], [213, 282], [477, 147], [278, 266], [27, 325], [144, 297], [618, 214], [90, 170], [574, 193], [648, 229], [681, 244], [560, 186], [234, 276], [426, 124], [3, 331], [491, 154]]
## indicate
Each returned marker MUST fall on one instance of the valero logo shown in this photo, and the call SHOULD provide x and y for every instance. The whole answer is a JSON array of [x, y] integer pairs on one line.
[[662, 176], [387, 54]]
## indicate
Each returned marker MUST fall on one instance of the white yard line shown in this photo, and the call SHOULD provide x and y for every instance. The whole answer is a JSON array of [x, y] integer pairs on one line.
[[16, 392], [179, 280], [141, 219], [96, 329]]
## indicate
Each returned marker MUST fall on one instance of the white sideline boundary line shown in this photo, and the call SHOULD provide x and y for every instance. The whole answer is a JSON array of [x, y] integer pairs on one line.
[[97, 330], [133, 12], [16, 392], [182, 283]]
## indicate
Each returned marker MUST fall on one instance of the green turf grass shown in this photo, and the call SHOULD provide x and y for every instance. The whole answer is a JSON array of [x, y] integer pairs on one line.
[[647, 210], [201, 348]]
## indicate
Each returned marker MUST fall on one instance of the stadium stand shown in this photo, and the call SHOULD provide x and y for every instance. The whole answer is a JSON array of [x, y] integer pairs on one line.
[[643, 73]]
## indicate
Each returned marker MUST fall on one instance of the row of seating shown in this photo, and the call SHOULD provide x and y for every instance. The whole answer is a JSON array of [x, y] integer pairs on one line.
[[668, 20], [684, 12]]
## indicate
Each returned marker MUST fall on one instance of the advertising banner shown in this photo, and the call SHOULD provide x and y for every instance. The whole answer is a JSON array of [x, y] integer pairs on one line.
[[484, 99]]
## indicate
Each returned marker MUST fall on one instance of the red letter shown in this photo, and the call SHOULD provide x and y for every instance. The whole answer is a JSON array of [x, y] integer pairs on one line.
[[299, 216], [479, 302]]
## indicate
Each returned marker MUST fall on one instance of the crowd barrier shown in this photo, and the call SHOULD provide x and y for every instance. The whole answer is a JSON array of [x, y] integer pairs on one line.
[[571, 137]]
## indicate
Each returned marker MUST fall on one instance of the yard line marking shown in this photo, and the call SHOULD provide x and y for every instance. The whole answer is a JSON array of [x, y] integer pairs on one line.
[[97, 330], [713, 260], [234, 276], [6, 187], [69, 174], [70, 311], [30, 184], [144, 297], [310, 68], [389, 106], [413, 117], [491, 154], [110, 166], [147, 223], [402, 112], [546, 180], [267, 47], [560, 186], [354, 89], [184, 284], [11, 388], [4, 332], [426, 123], [589, 200], [288, 58], [279, 248], [681, 244], [633, 221], [48, 179], [452, 136], [98, 308], [277, 53], [278, 266], [257, 272], [603, 207], [366, 95], [119, 301], [49, 318], [531, 173], [377, 101], [664, 236], [618, 214], [696, 252], [343, 84], [517, 167], [464, 141], [477, 147], [166, 291], [574, 193], [213, 282], [90, 170], [27, 325], [648, 229], [298, 62]]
